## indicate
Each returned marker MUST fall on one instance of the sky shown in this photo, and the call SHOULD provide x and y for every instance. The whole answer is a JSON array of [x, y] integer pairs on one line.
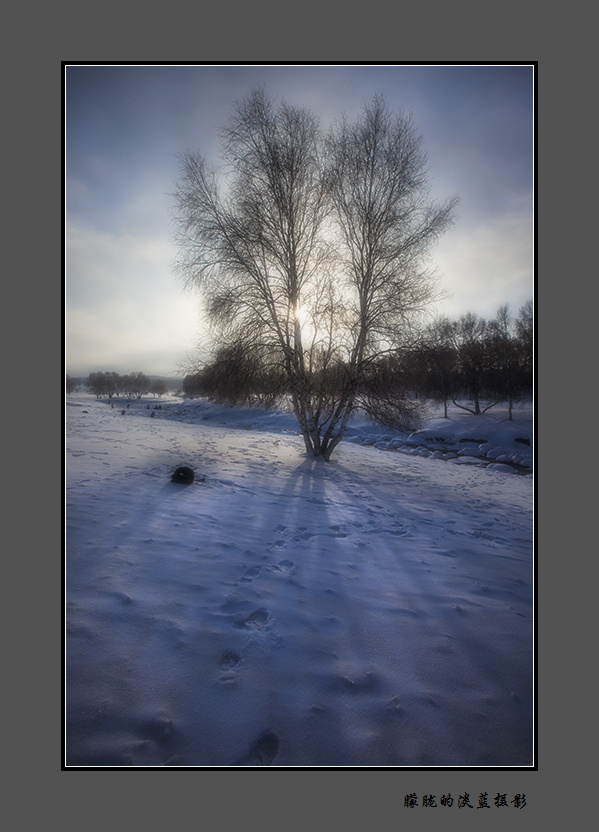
[[125, 309]]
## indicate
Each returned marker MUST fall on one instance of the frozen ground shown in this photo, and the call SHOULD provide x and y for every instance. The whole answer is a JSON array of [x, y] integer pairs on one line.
[[375, 611]]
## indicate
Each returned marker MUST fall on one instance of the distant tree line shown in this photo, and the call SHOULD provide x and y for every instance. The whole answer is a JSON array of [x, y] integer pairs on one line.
[[473, 362], [133, 385], [476, 363], [70, 384]]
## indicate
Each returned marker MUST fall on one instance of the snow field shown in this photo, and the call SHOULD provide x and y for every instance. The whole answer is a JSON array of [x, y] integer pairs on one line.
[[375, 611]]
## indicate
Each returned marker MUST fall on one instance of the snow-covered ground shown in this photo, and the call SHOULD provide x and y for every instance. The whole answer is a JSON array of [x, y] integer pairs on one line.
[[373, 611]]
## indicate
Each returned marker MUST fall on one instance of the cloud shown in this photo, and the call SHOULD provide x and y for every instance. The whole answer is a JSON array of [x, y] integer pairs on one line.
[[123, 305], [126, 125], [488, 264]]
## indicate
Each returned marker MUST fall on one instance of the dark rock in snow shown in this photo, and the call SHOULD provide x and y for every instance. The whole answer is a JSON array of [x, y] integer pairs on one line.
[[183, 475]]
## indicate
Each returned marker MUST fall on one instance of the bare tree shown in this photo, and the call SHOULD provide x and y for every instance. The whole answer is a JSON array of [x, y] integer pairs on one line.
[[158, 387], [436, 358], [471, 336], [506, 375], [237, 376], [311, 250], [254, 246], [135, 385], [524, 331], [103, 384], [386, 225]]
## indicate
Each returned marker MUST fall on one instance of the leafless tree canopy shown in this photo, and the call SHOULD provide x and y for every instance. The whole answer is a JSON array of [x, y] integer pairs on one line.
[[311, 250]]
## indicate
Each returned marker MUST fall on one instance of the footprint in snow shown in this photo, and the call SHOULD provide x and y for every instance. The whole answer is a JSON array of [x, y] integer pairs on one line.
[[395, 705], [251, 573], [305, 535], [256, 620], [159, 730], [283, 566], [263, 751], [229, 660]]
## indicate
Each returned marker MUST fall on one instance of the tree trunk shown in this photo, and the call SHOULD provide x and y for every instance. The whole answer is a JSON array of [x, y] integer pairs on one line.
[[340, 418], [300, 415]]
